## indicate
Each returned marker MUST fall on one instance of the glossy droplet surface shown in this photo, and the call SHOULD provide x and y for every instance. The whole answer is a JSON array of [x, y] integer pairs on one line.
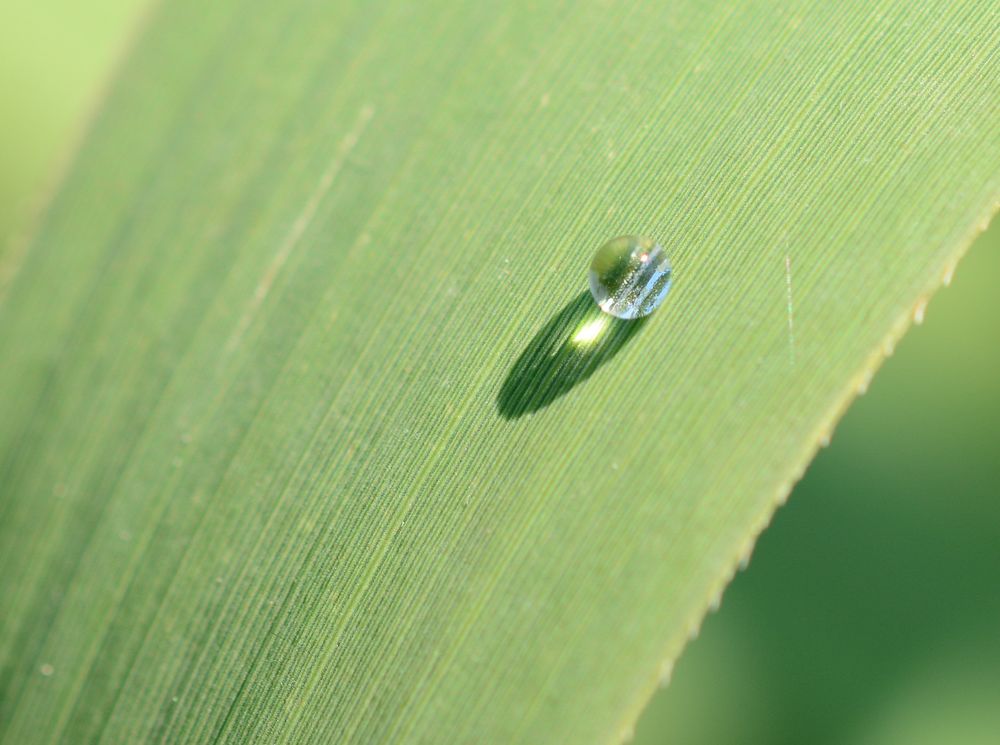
[[630, 276]]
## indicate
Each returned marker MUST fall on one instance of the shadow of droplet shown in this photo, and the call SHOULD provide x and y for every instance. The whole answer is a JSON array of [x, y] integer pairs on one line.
[[572, 345]]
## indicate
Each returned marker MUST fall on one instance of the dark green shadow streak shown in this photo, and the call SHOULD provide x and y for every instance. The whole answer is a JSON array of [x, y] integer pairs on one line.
[[553, 364]]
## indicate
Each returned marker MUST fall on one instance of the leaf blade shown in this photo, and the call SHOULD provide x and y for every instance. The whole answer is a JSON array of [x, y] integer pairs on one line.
[[281, 370]]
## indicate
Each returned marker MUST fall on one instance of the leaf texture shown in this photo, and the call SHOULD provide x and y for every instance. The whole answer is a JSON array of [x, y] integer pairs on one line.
[[297, 441]]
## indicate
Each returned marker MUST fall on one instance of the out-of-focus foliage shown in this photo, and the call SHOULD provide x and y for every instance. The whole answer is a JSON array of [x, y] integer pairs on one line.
[[54, 57], [870, 611]]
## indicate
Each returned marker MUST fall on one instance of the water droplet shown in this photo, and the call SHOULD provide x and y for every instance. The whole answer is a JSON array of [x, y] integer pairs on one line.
[[918, 312], [630, 276]]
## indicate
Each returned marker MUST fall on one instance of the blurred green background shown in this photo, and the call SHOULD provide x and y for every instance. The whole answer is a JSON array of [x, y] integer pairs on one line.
[[871, 609]]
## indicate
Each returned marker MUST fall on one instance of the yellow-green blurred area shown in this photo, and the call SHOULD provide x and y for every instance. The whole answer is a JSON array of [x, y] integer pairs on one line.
[[870, 612], [55, 56]]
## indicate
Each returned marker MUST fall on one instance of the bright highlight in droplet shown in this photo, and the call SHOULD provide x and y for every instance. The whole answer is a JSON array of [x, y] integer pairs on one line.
[[588, 333]]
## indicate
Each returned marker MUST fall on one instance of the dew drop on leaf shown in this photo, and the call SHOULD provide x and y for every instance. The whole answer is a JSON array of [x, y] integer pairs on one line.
[[630, 276]]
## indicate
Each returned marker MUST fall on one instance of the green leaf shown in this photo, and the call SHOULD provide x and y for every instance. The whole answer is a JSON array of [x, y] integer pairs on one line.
[[301, 441]]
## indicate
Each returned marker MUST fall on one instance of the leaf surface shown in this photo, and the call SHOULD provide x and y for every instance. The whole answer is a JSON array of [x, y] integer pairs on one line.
[[301, 441]]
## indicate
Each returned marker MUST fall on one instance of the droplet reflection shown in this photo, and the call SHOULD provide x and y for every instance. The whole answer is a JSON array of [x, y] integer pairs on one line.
[[630, 276], [591, 331]]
